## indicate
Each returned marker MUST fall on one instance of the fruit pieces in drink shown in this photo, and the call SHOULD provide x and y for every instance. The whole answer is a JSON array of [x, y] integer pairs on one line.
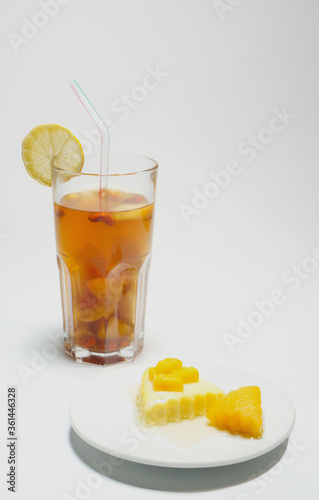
[[101, 263], [239, 412], [105, 310]]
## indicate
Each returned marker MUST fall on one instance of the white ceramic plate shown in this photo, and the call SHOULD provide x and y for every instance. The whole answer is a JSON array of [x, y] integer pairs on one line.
[[104, 414]]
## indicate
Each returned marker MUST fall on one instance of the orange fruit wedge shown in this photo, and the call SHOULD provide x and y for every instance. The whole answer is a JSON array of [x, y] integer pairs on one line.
[[239, 412]]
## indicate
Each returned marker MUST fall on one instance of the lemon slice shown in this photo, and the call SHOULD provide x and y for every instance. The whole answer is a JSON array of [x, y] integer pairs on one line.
[[51, 145]]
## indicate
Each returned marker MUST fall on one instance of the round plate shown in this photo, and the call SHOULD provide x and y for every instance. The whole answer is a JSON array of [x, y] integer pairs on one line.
[[104, 414]]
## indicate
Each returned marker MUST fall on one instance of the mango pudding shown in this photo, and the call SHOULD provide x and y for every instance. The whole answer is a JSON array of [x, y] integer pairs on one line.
[[170, 392]]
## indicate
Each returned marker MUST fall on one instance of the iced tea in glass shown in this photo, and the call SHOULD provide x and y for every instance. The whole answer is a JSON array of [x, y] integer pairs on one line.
[[104, 230]]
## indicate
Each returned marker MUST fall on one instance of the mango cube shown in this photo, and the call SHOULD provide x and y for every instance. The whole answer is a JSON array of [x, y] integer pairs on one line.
[[167, 365], [167, 382], [189, 375]]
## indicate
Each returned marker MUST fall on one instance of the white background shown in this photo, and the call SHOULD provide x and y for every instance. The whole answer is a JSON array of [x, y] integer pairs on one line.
[[223, 74]]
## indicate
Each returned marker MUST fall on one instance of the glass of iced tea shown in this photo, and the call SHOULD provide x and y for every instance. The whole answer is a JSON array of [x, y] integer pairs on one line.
[[104, 226]]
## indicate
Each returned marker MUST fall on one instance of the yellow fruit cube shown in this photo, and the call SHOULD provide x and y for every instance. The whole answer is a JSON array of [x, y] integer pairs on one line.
[[116, 328], [188, 375], [239, 412], [167, 365], [106, 289], [167, 382]]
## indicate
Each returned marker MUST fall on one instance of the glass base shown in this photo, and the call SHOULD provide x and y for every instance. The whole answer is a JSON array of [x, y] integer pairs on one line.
[[124, 355]]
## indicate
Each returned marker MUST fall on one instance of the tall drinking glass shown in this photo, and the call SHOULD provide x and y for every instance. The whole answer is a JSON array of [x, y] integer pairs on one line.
[[104, 226]]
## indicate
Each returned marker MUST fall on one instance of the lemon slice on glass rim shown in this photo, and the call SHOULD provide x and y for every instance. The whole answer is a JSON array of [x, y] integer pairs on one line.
[[51, 145]]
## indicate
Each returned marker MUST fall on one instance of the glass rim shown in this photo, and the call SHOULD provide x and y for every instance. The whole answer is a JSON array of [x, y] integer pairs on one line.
[[128, 155]]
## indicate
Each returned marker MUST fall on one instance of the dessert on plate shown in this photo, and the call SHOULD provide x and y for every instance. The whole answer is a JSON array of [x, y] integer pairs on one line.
[[170, 392]]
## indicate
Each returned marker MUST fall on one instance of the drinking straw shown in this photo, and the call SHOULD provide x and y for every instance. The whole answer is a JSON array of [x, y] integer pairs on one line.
[[101, 126]]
